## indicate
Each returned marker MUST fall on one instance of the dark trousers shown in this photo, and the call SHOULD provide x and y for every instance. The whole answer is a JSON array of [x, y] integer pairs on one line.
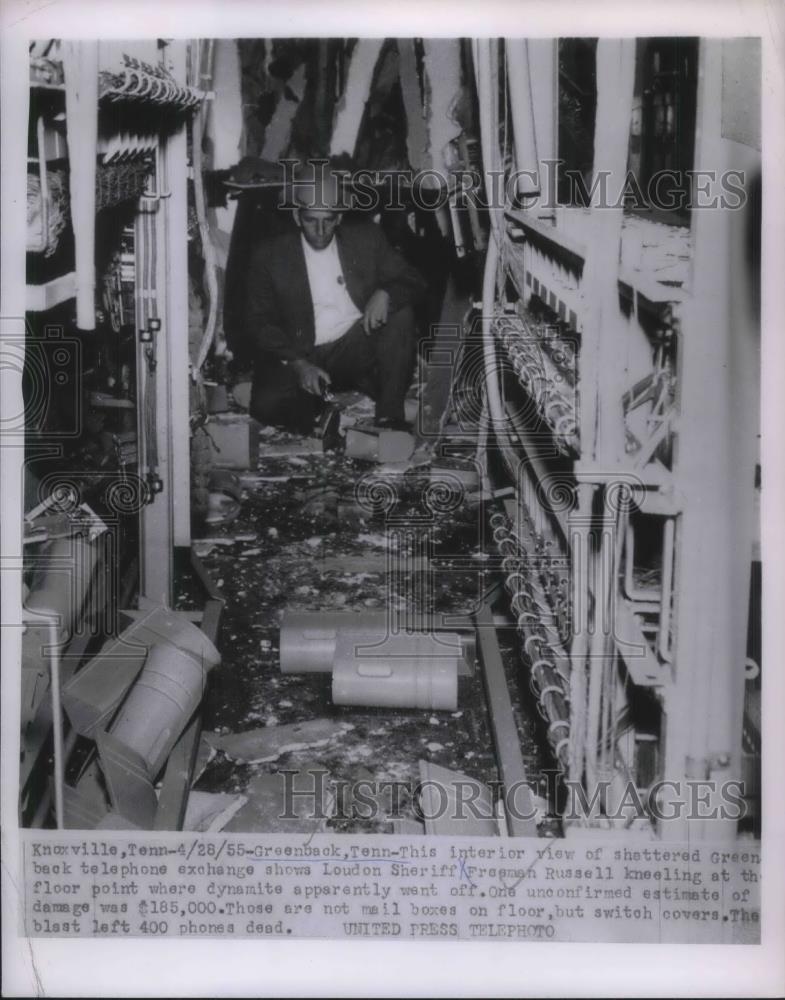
[[378, 364]]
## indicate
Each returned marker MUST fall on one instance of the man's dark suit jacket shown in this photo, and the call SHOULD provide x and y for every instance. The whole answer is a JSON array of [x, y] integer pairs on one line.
[[279, 317]]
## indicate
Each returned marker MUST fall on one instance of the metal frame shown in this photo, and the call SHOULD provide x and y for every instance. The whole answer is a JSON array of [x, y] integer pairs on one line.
[[165, 522], [699, 674], [505, 732]]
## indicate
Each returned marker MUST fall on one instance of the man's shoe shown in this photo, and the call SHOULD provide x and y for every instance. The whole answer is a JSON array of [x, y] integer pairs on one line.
[[328, 428]]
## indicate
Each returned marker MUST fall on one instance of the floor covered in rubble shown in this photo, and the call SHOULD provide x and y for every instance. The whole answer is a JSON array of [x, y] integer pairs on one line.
[[312, 533]]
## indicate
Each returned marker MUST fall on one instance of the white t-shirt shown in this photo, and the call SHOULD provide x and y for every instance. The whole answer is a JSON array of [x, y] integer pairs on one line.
[[333, 310]]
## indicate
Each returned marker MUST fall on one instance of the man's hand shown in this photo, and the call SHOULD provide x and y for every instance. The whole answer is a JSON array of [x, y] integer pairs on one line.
[[376, 311], [311, 378]]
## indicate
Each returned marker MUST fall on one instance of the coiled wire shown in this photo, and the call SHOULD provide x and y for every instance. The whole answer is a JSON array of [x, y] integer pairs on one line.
[[548, 383], [549, 678]]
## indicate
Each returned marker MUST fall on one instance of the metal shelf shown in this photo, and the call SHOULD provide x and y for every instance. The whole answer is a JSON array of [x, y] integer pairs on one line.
[[566, 246], [572, 253]]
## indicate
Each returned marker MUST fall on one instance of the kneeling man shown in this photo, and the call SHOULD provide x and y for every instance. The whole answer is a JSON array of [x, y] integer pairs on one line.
[[329, 306]]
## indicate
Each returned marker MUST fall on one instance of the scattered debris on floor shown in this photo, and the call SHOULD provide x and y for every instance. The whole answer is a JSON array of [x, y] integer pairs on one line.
[[324, 534], [455, 804], [210, 812], [270, 806], [261, 746]]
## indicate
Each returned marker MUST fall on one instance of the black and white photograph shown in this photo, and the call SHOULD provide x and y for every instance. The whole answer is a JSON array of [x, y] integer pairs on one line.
[[386, 557]]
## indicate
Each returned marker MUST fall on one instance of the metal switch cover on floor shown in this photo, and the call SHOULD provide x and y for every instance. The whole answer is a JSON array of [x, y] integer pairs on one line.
[[163, 624], [399, 671], [93, 694], [159, 705], [308, 638]]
